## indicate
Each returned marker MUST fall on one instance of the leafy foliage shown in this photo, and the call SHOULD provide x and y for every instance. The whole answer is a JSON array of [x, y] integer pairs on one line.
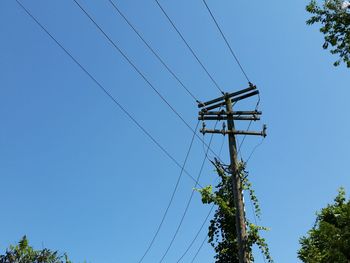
[[329, 239], [335, 25], [222, 229], [23, 253]]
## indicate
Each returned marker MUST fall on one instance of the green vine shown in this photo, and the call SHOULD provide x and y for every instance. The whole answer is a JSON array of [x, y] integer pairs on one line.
[[222, 228], [247, 186]]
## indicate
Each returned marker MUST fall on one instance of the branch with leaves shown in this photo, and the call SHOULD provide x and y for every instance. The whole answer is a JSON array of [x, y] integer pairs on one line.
[[334, 17]]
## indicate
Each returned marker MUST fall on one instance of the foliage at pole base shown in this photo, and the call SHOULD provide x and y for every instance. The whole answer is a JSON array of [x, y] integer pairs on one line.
[[329, 239], [23, 253], [222, 229]]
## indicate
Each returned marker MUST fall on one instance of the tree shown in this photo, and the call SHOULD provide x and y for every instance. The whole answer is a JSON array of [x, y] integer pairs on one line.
[[23, 253], [329, 239], [222, 229], [334, 17]]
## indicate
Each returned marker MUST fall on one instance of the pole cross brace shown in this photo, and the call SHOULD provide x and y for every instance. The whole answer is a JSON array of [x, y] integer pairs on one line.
[[238, 118], [236, 132], [223, 112], [233, 100], [227, 96]]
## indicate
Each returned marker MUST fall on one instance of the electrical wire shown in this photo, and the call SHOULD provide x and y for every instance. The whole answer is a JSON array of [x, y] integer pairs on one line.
[[189, 200], [199, 249], [123, 110], [205, 220], [226, 41], [106, 92], [254, 149], [116, 8], [141, 74], [189, 47], [170, 201], [197, 234], [244, 137], [203, 145], [250, 123], [222, 145], [194, 133]]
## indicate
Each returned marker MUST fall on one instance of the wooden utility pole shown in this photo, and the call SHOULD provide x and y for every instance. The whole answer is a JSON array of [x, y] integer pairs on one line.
[[230, 116]]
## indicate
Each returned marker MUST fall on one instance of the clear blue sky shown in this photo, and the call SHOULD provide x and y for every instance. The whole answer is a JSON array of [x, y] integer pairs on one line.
[[78, 176]]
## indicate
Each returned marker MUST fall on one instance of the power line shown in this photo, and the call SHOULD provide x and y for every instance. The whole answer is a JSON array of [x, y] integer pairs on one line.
[[189, 47], [206, 218], [189, 200], [226, 41], [254, 149], [122, 108], [152, 50], [250, 123], [141, 74], [244, 137], [197, 234], [222, 145], [200, 248], [189, 92], [106, 92], [203, 145], [115, 100], [170, 201]]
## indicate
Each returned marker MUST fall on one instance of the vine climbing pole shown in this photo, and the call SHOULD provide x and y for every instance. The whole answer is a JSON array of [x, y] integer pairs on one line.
[[206, 113]]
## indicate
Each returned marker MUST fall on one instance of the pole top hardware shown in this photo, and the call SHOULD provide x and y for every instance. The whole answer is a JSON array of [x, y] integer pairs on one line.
[[207, 107], [264, 134], [207, 112], [227, 96]]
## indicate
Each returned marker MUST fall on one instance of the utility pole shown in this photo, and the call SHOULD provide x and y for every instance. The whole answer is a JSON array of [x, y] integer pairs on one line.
[[229, 115]]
